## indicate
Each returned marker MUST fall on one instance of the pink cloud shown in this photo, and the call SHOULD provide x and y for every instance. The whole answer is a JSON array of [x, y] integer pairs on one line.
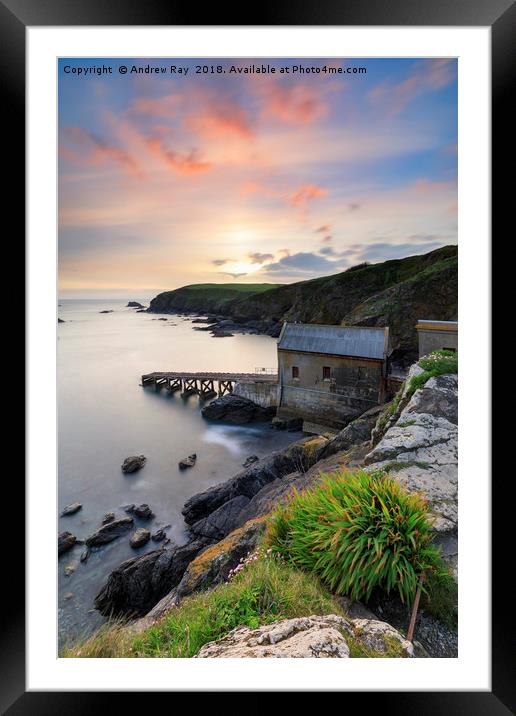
[[305, 194], [297, 104], [218, 120], [168, 106], [187, 164]]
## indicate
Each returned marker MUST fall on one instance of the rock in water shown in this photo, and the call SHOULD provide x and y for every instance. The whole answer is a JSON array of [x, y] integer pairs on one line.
[[188, 461], [108, 517], [236, 409], [143, 510], [65, 541], [71, 509], [60, 320], [110, 531], [70, 569], [133, 463], [139, 537], [134, 304], [159, 535], [85, 555]]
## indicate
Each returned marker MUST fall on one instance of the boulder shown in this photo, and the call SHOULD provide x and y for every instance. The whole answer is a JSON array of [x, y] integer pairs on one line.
[[289, 424], [159, 535], [143, 511], [108, 517], [65, 541], [301, 638], [221, 521], [236, 409], [110, 531], [319, 637], [60, 320], [71, 509], [70, 568], [139, 537], [85, 555], [134, 587], [357, 431], [134, 304], [111, 311], [133, 463], [187, 461]]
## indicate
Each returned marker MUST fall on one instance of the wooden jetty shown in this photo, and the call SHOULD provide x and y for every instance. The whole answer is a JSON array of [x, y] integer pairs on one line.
[[203, 383]]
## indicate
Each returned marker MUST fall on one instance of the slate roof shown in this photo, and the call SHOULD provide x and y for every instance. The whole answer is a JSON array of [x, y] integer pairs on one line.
[[354, 341]]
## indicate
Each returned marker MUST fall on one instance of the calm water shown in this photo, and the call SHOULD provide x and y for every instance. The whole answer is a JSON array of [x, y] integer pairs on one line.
[[104, 416]]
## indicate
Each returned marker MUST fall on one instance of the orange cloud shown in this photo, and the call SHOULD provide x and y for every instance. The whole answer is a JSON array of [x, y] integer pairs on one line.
[[306, 193], [181, 163], [220, 120], [297, 104]]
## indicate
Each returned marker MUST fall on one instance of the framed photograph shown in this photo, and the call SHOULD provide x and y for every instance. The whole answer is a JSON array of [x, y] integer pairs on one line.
[[249, 250]]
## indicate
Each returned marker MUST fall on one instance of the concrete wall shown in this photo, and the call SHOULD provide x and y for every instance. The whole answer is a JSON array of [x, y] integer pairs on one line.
[[432, 340], [264, 394], [355, 385]]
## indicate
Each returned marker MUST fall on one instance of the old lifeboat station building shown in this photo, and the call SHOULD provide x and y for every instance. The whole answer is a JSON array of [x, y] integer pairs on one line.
[[330, 374]]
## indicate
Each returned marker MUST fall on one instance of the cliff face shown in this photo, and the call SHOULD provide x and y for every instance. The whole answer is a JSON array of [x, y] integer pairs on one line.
[[393, 293]]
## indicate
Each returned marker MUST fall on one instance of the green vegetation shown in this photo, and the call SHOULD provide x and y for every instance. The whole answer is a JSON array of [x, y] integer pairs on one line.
[[265, 591], [207, 297], [436, 363], [440, 599], [357, 531]]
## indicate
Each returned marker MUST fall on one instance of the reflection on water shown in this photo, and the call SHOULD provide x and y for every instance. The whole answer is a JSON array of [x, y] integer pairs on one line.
[[104, 415]]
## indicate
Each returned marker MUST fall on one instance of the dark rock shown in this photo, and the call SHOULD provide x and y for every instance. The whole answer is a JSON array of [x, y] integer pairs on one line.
[[141, 310], [128, 508], [111, 311], [188, 461], [221, 521], [139, 537], [85, 555], [357, 431], [108, 517], [109, 532], [221, 334], [60, 320], [162, 319], [71, 509], [65, 541], [139, 583], [143, 510], [250, 460], [289, 424], [134, 304], [159, 535], [133, 463], [297, 457], [236, 409]]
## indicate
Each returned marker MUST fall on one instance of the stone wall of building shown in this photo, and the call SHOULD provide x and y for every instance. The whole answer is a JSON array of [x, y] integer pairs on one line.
[[264, 394]]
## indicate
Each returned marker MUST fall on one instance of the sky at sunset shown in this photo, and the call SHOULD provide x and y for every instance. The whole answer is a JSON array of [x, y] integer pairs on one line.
[[167, 180]]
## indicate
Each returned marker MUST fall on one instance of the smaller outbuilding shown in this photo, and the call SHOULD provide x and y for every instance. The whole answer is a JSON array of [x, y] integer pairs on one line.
[[436, 335]]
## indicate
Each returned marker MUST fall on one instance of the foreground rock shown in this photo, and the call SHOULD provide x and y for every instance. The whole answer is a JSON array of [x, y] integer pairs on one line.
[[307, 637], [249, 460], [110, 531], [139, 583], [357, 431], [143, 510], [71, 509], [236, 409], [133, 463], [65, 541], [139, 537]]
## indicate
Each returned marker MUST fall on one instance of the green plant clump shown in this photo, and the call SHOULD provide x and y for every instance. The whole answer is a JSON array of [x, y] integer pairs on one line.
[[357, 531], [436, 363]]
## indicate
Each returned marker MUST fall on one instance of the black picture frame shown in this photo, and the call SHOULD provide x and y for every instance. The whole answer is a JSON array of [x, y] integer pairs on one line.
[[500, 15]]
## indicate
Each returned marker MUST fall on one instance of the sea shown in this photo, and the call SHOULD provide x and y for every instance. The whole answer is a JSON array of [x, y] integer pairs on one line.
[[105, 415]]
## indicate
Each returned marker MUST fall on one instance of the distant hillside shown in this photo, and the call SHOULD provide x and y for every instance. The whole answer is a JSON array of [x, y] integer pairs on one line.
[[394, 293], [206, 297]]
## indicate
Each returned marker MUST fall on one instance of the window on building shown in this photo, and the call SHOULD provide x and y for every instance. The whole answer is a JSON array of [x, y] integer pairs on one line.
[[295, 371], [326, 372]]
